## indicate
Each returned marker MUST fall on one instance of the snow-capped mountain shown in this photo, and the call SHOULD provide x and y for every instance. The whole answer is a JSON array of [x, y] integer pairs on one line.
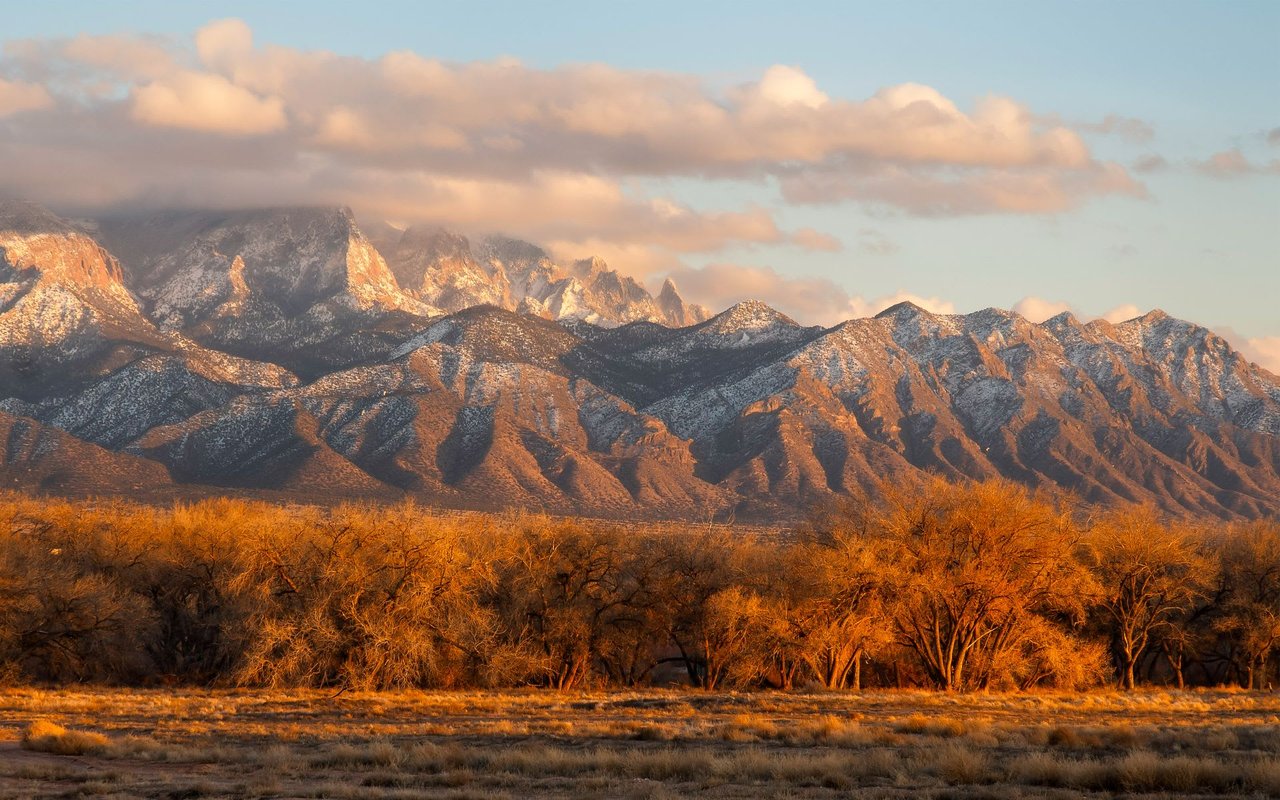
[[278, 351], [301, 287], [447, 271]]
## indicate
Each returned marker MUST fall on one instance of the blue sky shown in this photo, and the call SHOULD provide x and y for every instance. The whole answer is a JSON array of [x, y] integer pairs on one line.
[[1203, 79]]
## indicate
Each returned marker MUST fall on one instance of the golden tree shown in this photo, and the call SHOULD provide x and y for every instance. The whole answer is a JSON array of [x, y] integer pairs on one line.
[[1149, 574], [982, 569]]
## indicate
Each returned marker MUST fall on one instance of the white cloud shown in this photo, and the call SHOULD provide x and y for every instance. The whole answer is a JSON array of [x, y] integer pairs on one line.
[[1037, 309], [224, 43], [1121, 313], [784, 86], [907, 146], [201, 101]]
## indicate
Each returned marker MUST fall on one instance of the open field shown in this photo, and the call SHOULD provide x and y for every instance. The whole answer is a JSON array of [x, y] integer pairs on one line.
[[654, 743]]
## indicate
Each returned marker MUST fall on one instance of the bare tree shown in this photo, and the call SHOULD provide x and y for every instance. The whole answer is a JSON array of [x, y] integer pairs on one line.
[[1250, 612], [1149, 574]]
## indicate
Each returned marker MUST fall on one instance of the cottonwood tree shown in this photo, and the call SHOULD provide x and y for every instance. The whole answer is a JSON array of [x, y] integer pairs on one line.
[[700, 567], [565, 591], [981, 569], [1149, 574], [1250, 611], [831, 609], [62, 619], [362, 599]]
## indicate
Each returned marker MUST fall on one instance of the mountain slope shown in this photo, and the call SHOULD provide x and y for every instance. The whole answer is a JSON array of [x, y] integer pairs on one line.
[[276, 350], [301, 287]]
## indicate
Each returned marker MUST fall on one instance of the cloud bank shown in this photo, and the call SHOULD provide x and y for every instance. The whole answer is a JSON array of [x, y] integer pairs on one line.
[[550, 154]]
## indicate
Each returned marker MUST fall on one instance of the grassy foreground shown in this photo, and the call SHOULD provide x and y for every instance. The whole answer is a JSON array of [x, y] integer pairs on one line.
[[643, 744]]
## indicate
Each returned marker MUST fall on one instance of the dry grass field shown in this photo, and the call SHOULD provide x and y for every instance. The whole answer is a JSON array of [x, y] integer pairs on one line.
[[310, 744]]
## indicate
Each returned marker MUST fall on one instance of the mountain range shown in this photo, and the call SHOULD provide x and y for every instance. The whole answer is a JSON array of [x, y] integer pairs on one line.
[[286, 352]]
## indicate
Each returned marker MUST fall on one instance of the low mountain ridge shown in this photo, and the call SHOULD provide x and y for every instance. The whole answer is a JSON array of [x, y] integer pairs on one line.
[[278, 350]]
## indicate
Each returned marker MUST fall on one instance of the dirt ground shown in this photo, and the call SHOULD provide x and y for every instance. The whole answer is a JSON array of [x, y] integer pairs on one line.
[[647, 744]]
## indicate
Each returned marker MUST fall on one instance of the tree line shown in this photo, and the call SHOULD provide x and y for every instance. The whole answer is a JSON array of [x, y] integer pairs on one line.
[[956, 587]]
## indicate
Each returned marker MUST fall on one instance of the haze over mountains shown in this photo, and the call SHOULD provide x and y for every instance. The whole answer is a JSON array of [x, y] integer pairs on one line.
[[287, 350]]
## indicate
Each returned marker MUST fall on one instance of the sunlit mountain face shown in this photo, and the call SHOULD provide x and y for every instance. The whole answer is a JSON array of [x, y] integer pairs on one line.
[[284, 350]]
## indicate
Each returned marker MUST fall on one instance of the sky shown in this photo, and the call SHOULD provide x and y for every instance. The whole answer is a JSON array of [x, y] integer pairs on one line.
[[831, 159]]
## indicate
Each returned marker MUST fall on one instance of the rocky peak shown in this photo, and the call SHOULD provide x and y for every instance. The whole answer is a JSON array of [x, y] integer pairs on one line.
[[906, 310], [434, 243], [674, 310], [440, 266], [289, 259], [491, 334], [749, 316], [513, 254], [1062, 321], [36, 241], [587, 268]]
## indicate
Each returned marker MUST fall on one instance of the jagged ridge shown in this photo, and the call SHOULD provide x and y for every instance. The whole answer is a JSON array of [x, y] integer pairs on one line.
[[278, 350]]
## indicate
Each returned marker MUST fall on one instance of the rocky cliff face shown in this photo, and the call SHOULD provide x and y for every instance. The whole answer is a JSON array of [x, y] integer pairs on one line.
[[279, 351], [446, 270], [301, 287]]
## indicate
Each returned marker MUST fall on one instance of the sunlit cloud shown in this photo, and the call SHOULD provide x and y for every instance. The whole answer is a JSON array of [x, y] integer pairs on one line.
[[809, 300], [313, 120], [1036, 309], [203, 102], [17, 96], [1121, 313], [1131, 129], [1233, 164], [1261, 350], [815, 240], [1264, 351]]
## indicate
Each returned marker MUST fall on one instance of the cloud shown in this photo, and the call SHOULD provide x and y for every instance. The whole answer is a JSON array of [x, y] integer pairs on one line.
[[1129, 128], [1121, 313], [1261, 350], [17, 96], [561, 208], [314, 120], [210, 103], [958, 192], [224, 43], [810, 239], [1264, 351], [875, 243], [1273, 137], [1036, 309], [862, 307], [1150, 163], [1233, 164], [784, 86], [811, 301]]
